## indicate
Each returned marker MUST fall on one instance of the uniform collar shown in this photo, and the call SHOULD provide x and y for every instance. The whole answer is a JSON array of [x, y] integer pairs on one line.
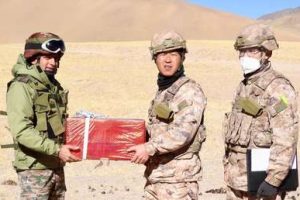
[[248, 80]]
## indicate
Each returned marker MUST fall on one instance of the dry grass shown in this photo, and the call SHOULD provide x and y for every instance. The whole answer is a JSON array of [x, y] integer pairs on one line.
[[119, 79]]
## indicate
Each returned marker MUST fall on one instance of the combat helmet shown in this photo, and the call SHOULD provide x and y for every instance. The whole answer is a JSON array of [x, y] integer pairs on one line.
[[43, 43], [166, 41], [256, 35]]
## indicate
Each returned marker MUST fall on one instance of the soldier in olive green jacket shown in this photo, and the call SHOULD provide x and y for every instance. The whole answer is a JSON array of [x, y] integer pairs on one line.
[[37, 109]]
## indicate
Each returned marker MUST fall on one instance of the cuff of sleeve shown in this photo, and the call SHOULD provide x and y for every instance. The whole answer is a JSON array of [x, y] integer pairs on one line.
[[57, 150], [273, 181], [151, 150]]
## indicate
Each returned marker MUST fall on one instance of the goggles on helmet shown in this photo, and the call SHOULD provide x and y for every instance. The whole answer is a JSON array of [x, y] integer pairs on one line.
[[52, 46]]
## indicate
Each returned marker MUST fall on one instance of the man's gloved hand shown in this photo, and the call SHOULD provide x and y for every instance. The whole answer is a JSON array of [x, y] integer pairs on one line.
[[266, 190]]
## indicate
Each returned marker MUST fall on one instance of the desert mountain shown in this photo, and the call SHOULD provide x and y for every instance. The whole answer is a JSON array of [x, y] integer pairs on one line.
[[114, 20], [288, 20], [281, 14]]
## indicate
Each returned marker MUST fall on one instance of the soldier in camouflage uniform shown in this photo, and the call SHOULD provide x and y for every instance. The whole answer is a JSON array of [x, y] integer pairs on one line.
[[264, 115], [175, 127], [37, 109]]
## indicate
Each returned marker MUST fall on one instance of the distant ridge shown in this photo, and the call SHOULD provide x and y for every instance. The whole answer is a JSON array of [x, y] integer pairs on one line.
[[287, 20], [116, 20], [279, 14]]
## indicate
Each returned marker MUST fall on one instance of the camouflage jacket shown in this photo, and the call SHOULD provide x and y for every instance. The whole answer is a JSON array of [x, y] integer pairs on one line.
[[174, 159], [36, 110], [268, 119]]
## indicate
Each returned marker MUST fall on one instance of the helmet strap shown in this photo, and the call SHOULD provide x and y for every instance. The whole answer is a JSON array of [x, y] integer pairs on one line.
[[265, 57], [268, 54]]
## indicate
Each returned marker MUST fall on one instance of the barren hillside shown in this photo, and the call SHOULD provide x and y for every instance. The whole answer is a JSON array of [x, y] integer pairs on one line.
[[102, 20], [287, 20]]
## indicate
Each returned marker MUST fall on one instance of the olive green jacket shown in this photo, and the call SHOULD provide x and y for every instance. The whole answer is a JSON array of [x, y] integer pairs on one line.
[[34, 148]]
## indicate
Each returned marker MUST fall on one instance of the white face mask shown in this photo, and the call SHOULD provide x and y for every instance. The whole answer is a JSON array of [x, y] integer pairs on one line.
[[249, 64]]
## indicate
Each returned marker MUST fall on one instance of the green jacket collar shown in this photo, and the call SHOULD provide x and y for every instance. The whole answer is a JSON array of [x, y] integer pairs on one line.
[[22, 67]]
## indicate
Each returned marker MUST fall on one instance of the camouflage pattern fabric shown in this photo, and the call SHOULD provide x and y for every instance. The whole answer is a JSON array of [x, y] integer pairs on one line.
[[180, 191], [275, 128], [233, 194], [39, 38], [169, 141], [167, 41], [256, 35], [42, 184]]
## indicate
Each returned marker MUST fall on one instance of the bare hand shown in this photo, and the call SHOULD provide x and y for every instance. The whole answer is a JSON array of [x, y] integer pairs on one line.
[[65, 153], [141, 155]]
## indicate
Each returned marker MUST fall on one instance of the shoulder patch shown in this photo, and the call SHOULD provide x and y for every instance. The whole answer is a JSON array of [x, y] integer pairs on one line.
[[23, 79], [184, 104], [281, 105]]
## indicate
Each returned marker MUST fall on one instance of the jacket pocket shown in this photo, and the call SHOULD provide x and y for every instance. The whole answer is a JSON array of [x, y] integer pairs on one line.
[[261, 132], [64, 96], [56, 124], [41, 109], [262, 139], [225, 126], [236, 128]]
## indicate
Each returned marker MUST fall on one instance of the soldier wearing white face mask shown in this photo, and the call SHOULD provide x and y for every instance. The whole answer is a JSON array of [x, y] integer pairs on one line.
[[263, 115], [255, 45]]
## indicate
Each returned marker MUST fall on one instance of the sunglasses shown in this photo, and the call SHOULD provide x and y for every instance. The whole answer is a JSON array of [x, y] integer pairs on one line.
[[250, 51], [54, 46]]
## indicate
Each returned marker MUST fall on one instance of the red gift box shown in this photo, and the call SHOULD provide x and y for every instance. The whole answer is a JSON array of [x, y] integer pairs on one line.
[[104, 137]]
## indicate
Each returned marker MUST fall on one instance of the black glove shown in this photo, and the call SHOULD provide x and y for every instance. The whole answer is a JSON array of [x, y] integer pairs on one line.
[[266, 190]]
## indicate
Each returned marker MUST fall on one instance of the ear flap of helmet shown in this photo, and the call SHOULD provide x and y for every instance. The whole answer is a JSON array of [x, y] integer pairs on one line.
[[270, 44], [238, 42]]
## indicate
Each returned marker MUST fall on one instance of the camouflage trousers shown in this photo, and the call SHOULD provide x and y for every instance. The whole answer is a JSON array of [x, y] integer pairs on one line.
[[171, 191], [42, 184], [232, 194]]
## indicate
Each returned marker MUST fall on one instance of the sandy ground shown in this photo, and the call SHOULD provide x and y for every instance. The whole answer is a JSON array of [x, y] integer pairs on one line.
[[118, 79]]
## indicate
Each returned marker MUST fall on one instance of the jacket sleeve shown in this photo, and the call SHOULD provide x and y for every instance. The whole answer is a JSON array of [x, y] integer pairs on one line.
[[284, 126], [21, 120], [186, 121]]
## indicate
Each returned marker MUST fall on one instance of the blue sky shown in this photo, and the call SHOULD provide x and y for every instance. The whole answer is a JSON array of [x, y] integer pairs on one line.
[[252, 8]]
